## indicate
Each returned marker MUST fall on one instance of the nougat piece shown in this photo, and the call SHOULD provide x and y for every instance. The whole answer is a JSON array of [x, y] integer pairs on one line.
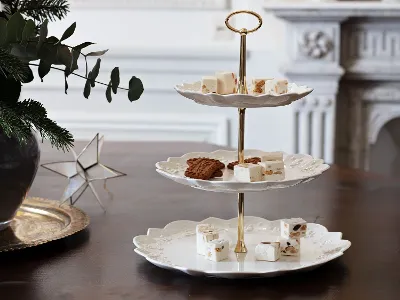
[[258, 85], [289, 247], [273, 170], [272, 156], [209, 84], [293, 228], [248, 172], [276, 86], [227, 82], [217, 250], [204, 234], [269, 251]]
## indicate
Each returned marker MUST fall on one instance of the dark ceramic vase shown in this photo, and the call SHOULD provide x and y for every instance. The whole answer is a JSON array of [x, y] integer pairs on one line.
[[18, 166]]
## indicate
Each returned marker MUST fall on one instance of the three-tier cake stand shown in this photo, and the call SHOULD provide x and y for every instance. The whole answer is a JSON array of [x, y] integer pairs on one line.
[[174, 246]]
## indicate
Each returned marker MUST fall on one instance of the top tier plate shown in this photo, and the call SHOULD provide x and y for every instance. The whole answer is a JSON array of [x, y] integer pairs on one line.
[[192, 91]]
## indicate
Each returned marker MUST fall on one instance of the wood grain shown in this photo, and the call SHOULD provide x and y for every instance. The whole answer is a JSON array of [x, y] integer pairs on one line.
[[100, 263]]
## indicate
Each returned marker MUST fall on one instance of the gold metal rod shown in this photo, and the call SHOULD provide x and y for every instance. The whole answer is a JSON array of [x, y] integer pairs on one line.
[[242, 115], [242, 89], [240, 245], [242, 86]]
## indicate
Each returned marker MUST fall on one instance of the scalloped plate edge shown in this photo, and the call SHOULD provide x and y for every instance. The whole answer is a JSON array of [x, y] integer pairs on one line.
[[321, 169], [179, 88], [230, 274]]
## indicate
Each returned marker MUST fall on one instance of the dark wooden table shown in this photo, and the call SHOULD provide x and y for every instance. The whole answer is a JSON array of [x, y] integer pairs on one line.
[[99, 263]]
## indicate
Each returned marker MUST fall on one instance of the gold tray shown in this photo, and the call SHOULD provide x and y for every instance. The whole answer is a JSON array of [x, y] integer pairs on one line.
[[39, 221]]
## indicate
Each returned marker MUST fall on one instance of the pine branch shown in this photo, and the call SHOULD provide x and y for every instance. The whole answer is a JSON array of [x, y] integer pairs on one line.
[[38, 9], [19, 118], [12, 125], [11, 66]]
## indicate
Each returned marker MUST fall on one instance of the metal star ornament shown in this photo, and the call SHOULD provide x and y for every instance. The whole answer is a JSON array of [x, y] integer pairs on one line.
[[83, 171]]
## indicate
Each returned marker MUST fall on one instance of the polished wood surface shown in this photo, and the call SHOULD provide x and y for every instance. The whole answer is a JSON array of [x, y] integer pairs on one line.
[[100, 263]]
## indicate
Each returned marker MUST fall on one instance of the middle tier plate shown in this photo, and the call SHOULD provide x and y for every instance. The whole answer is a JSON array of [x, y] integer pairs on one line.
[[299, 168]]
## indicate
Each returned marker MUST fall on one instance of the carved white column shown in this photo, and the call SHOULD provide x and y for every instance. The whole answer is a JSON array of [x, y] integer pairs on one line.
[[358, 44], [313, 45], [314, 130]]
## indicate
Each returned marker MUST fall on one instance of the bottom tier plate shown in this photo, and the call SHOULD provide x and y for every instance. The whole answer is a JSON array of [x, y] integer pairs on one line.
[[174, 248]]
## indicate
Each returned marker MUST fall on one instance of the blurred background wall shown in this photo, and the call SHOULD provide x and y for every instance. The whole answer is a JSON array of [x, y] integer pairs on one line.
[[166, 42]]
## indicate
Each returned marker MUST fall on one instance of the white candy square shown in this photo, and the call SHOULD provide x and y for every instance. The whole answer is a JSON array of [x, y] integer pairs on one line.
[[204, 234], [272, 156], [290, 247], [227, 82], [217, 250], [269, 251], [276, 86], [294, 228], [273, 170], [258, 86], [248, 172], [209, 84]]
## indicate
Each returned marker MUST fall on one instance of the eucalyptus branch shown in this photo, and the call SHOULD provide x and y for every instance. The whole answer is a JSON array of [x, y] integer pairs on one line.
[[79, 75]]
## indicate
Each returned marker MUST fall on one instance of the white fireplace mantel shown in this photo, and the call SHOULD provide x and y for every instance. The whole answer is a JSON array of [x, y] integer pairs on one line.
[[350, 53], [326, 11]]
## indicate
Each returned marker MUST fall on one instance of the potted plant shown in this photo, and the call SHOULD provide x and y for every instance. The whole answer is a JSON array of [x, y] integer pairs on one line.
[[25, 48]]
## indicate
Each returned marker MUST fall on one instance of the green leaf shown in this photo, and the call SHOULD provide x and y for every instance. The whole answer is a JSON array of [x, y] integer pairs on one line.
[[64, 56], [52, 40], [108, 93], [95, 72], [97, 53], [44, 68], [3, 31], [74, 61], [68, 32], [65, 83], [43, 31], [87, 89], [83, 45], [91, 80], [25, 53], [115, 79], [15, 27], [48, 52], [29, 31], [135, 89]]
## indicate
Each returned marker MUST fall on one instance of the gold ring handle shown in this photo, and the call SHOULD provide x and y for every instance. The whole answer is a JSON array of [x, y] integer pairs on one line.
[[243, 30]]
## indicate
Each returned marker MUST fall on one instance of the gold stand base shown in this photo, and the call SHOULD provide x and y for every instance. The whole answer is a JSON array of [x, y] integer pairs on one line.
[[240, 247]]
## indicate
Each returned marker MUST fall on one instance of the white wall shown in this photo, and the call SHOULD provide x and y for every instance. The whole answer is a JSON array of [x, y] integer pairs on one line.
[[165, 46]]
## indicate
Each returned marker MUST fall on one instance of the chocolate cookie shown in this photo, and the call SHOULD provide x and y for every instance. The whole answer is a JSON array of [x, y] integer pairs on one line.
[[192, 161], [203, 168], [251, 160]]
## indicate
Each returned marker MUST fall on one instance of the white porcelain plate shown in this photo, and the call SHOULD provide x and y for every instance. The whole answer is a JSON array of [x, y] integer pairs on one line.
[[299, 168], [174, 248], [192, 91]]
